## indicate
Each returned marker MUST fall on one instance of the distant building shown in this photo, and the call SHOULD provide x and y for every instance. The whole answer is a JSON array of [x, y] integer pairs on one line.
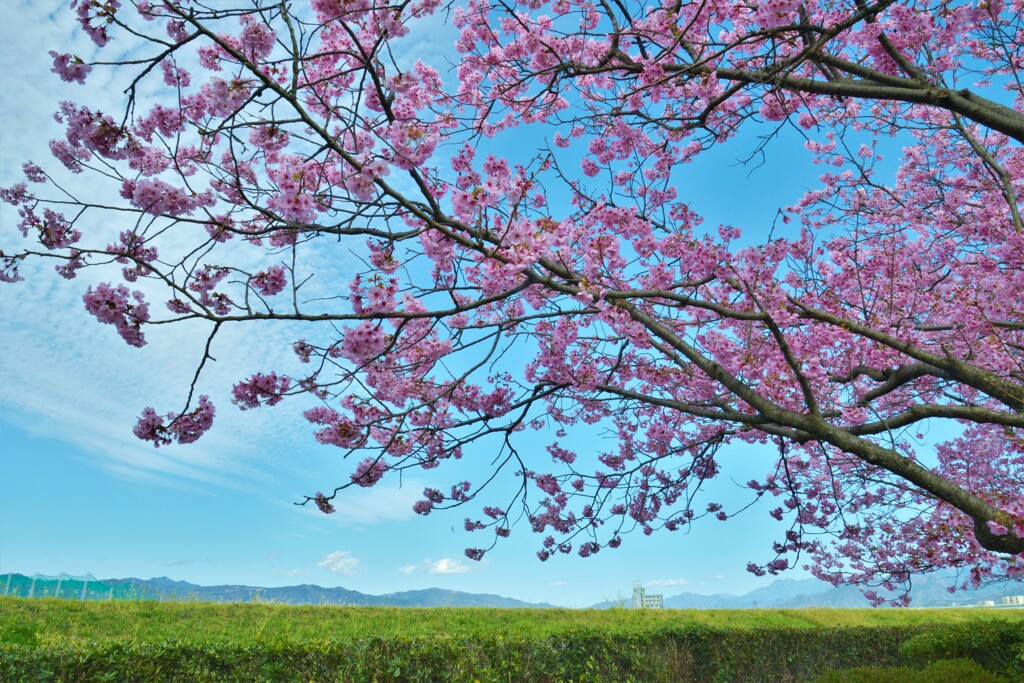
[[1012, 600], [986, 603], [641, 600]]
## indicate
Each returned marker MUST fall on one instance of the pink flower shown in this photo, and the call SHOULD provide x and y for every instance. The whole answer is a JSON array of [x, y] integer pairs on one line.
[[369, 472], [150, 427], [188, 427], [53, 229], [113, 306], [9, 268], [178, 30], [323, 503], [16, 195], [184, 428], [173, 75], [773, 13], [70, 68], [303, 350], [257, 38], [158, 198], [101, 14], [178, 306], [219, 231], [590, 168], [548, 484], [338, 431], [268, 389], [363, 342], [996, 528], [33, 172], [69, 269], [136, 254], [206, 278], [269, 282]]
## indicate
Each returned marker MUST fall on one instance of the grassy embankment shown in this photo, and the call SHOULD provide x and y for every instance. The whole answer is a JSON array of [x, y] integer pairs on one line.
[[83, 641]]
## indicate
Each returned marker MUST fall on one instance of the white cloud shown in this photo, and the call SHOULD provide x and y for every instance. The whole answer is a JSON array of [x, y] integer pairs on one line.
[[445, 565], [558, 584], [287, 572], [667, 583], [341, 562], [73, 379], [385, 502]]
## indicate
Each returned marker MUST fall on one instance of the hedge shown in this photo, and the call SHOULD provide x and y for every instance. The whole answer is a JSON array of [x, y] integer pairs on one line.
[[693, 653]]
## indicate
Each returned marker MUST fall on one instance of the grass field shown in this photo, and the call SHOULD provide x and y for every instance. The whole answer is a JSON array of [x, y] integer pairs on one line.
[[54, 640], [65, 621]]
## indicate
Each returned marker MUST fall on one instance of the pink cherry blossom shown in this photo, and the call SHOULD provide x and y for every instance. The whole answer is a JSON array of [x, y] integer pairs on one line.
[[323, 503], [496, 254], [183, 428], [270, 281], [69, 67], [126, 311], [369, 472], [260, 389]]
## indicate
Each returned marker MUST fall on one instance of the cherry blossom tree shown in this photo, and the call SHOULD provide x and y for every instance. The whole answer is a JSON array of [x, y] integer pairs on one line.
[[531, 262]]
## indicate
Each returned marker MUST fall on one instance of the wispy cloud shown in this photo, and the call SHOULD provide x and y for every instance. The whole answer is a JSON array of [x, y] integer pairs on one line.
[[386, 502], [178, 563], [558, 584], [94, 408], [445, 565], [341, 562], [71, 378], [667, 583], [287, 572]]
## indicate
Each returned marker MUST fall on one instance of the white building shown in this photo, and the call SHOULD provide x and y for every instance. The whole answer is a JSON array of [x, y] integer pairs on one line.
[[1012, 600], [641, 600]]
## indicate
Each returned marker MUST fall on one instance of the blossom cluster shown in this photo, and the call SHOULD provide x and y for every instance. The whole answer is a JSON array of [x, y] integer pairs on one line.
[[116, 306], [69, 67], [260, 389], [270, 281], [182, 428]]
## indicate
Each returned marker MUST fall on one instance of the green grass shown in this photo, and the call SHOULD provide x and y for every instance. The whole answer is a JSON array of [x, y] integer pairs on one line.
[[66, 640], [63, 621]]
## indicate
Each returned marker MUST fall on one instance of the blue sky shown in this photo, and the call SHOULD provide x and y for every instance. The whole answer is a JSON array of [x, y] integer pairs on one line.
[[79, 493]]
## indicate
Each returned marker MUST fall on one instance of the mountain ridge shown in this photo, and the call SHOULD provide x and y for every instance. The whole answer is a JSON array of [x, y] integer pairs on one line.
[[926, 591], [311, 594]]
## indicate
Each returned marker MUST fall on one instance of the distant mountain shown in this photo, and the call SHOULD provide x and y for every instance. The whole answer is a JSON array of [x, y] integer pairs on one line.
[[307, 594], [69, 587], [782, 589], [927, 591]]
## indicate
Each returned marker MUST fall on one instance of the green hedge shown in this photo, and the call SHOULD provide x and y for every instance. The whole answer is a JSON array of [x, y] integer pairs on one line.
[[687, 653], [948, 671], [998, 646], [693, 653]]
